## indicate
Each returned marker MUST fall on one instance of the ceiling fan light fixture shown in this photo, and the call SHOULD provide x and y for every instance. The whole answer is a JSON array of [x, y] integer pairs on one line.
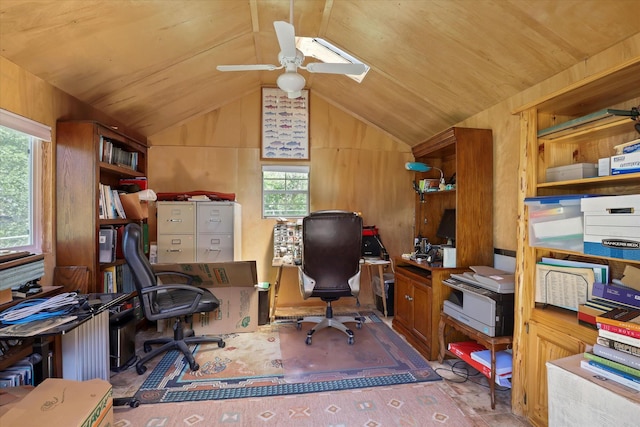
[[292, 83]]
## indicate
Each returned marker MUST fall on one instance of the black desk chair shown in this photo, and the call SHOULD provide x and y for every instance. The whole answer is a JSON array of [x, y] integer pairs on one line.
[[330, 270], [166, 301]]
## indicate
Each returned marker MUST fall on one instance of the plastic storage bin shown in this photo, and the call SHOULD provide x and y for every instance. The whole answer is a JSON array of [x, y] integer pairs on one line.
[[556, 221]]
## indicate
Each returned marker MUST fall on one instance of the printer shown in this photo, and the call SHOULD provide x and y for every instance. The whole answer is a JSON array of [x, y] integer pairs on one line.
[[483, 300]]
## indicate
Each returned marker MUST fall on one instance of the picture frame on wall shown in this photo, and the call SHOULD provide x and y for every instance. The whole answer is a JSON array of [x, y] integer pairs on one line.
[[285, 125]]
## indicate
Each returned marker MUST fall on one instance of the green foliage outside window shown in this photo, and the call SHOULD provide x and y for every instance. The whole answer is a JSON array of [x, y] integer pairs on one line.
[[285, 194], [15, 191]]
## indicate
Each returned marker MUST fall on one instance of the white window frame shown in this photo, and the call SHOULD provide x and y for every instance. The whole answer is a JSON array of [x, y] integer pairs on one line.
[[265, 192], [37, 134]]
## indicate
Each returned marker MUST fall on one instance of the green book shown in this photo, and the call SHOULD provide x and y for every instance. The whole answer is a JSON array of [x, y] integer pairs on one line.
[[612, 364]]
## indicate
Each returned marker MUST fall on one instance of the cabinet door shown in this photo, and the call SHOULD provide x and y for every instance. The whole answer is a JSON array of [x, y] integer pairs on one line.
[[176, 218], [544, 344], [422, 297], [214, 247], [403, 297], [176, 248]]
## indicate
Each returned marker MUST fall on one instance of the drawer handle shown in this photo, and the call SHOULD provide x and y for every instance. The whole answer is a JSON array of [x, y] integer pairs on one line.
[[621, 210], [215, 220], [174, 250], [408, 298], [174, 220], [213, 250]]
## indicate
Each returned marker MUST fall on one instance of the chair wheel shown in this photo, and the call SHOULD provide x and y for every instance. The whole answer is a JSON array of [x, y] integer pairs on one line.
[[141, 369], [194, 366], [299, 325], [134, 403], [221, 344], [350, 340], [359, 325], [308, 340], [147, 348]]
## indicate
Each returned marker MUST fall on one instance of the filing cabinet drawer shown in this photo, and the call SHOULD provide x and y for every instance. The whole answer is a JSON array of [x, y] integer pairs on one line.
[[214, 248], [216, 217], [176, 217], [176, 248]]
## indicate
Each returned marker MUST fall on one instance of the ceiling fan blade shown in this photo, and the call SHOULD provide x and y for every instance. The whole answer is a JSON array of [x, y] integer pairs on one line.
[[256, 67], [286, 38], [321, 67]]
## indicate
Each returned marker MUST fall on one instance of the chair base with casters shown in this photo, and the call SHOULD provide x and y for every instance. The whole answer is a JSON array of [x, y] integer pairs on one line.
[[328, 321], [180, 341]]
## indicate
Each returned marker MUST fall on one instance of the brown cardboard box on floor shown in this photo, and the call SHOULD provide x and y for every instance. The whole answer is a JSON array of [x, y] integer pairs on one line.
[[59, 402], [234, 284]]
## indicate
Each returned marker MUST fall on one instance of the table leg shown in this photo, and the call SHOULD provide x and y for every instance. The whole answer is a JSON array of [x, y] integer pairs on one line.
[[492, 386], [441, 326], [274, 295], [384, 291]]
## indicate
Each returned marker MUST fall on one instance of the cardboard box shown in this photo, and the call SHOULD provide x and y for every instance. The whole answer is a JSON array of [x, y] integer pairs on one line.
[[575, 171], [625, 163], [612, 226], [238, 312], [59, 402], [219, 274], [604, 166], [234, 284]]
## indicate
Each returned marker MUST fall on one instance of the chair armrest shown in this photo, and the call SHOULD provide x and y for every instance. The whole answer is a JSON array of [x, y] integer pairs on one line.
[[184, 287]]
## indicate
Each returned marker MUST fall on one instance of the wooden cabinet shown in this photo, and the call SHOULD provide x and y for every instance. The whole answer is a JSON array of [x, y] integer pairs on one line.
[[543, 334], [466, 155], [81, 165], [418, 297]]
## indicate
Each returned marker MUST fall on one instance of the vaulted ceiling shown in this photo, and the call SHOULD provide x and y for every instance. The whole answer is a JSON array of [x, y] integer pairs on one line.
[[151, 64]]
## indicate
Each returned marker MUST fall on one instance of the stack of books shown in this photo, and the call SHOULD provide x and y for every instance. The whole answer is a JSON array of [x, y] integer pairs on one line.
[[479, 358], [616, 354]]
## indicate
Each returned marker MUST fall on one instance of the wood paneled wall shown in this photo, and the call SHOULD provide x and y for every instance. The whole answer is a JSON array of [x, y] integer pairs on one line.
[[353, 167]]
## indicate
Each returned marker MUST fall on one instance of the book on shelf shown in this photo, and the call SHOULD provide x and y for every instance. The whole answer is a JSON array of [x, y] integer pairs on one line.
[[620, 294], [107, 240], [618, 345], [617, 356], [587, 314], [140, 181], [619, 337], [622, 317], [618, 330], [464, 349], [609, 373], [117, 204], [110, 284], [613, 364], [504, 360]]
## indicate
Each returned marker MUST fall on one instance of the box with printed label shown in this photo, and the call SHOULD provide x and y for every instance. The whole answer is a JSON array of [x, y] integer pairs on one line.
[[625, 163], [238, 312], [612, 226], [60, 402], [556, 221]]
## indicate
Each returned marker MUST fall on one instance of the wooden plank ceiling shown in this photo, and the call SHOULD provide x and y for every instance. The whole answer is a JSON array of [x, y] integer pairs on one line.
[[151, 63]]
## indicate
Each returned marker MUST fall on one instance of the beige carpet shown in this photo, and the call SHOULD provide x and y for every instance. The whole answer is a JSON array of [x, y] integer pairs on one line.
[[420, 405]]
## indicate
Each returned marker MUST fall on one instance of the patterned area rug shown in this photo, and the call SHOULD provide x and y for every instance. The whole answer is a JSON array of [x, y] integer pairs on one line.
[[417, 405], [276, 361]]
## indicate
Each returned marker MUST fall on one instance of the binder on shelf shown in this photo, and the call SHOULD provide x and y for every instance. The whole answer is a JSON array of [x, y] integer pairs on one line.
[[620, 294], [107, 244]]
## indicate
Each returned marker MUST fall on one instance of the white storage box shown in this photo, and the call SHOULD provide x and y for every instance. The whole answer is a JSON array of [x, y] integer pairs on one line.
[[625, 163], [612, 226], [556, 221], [568, 172]]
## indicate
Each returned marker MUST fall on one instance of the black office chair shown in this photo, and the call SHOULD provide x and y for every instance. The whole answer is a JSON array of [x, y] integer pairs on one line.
[[166, 301], [331, 252]]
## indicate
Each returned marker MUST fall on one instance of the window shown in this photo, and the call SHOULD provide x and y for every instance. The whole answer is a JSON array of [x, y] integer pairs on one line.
[[21, 182], [285, 191]]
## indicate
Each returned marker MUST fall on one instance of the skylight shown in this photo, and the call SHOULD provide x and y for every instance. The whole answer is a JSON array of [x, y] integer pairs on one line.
[[324, 51]]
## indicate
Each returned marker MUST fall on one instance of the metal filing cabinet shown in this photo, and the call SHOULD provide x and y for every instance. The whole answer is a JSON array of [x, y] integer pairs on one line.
[[199, 232]]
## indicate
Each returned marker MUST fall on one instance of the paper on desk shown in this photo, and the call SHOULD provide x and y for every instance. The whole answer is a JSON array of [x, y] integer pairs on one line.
[[565, 287], [36, 327]]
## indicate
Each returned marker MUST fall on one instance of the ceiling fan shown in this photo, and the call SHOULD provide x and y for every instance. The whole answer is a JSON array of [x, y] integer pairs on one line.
[[291, 59]]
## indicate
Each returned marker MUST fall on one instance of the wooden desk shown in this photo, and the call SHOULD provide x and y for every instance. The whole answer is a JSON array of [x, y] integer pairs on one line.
[[492, 343]]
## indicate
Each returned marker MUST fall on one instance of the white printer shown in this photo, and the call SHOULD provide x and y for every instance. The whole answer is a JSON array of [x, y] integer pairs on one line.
[[483, 300]]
